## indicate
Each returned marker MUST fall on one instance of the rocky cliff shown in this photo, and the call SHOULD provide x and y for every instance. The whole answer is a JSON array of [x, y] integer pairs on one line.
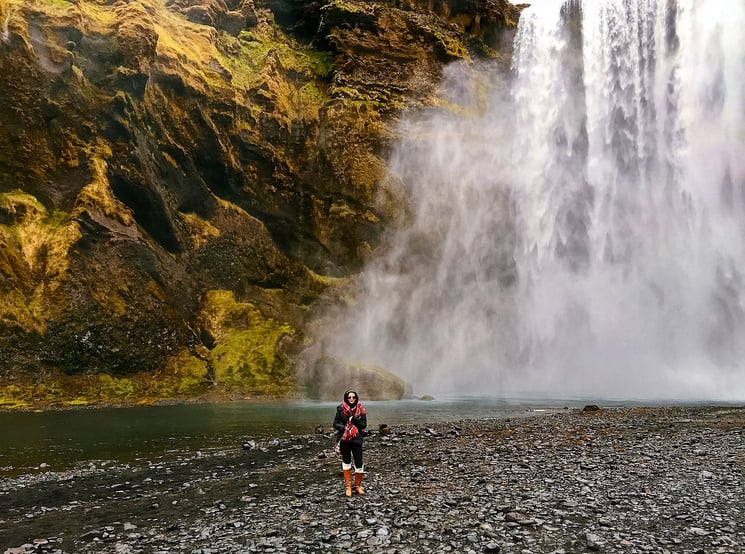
[[181, 181]]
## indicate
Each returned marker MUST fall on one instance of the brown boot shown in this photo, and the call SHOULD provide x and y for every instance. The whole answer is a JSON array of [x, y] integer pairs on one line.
[[358, 482], [348, 481]]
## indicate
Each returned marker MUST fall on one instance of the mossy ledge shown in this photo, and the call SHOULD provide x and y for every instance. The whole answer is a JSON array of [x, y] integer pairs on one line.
[[184, 183]]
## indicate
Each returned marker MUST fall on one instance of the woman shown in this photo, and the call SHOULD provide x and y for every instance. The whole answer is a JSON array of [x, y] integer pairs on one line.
[[350, 421]]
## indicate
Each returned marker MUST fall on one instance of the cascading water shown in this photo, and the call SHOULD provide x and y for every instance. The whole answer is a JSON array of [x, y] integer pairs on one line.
[[5, 35], [579, 231]]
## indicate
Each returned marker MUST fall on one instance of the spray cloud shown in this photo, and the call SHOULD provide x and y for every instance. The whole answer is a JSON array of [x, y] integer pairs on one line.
[[577, 226]]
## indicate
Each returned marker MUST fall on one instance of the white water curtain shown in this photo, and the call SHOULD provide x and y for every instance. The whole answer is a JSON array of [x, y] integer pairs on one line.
[[577, 226]]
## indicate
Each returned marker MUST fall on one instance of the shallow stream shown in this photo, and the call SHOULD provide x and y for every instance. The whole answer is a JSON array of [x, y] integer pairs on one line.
[[62, 440]]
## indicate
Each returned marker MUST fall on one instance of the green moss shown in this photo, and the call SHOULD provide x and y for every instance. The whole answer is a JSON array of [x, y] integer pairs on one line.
[[328, 281], [345, 5], [78, 402], [185, 375], [245, 57], [14, 397], [57, 218], [311, 93], [371, 103], [35, 245], [113, 388], [21, 204], [22, 209], [339, 12], [321, 63], [342, 210], [56, 3], [188, 381], [248, 359], [51, 391], [450, 47], [247, 355], [10, 404]]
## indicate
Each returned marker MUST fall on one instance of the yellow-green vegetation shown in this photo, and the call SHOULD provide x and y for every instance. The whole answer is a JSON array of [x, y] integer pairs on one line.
[[188, 50], [55, 5], [58, 3], [452, 47], [184, 374], [98, 16], [264, 57], [346, 6], [21, 206], [6, 12], [245, 55], [183, 48], [97, 194], [322, 63], [12, 397], [129, 116], [246, 356], [185, 377], [201, 231], [37, 243], [366, 171], [327, 280], [35, 246], [311, 94]]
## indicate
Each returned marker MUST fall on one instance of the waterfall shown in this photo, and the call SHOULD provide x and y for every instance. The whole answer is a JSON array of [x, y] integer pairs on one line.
[[5, 36], [576, 227]]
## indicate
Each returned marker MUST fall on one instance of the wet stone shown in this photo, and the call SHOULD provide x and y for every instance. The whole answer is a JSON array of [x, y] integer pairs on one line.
[[613, 480]]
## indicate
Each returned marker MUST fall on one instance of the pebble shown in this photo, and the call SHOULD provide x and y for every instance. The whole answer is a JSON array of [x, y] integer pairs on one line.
[[625, 480]]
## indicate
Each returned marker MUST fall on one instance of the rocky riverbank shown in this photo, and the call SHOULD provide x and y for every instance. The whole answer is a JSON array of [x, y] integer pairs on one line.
[[614, 480]]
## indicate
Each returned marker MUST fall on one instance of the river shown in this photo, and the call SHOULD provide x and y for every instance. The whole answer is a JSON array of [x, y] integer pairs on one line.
[[64, 439]]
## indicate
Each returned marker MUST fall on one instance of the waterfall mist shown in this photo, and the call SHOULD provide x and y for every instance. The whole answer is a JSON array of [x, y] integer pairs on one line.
[[576, 227], [5, 35]]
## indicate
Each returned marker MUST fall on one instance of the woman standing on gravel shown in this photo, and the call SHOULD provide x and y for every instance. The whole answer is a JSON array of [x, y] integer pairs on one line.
[[350, 421]]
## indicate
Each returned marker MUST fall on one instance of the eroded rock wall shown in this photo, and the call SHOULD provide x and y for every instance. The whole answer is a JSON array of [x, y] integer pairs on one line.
[[181, 180]]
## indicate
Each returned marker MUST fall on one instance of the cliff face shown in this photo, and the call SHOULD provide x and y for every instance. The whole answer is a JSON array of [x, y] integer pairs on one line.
[[180, 181]]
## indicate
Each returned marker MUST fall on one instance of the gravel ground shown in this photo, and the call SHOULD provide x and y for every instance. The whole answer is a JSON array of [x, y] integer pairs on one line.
[[614, 480]]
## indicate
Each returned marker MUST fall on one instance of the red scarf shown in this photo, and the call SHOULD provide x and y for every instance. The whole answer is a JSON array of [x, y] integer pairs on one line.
[[350, 429]]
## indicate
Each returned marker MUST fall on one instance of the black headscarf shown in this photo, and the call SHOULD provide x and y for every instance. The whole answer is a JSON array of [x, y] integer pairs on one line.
[[356, 398]]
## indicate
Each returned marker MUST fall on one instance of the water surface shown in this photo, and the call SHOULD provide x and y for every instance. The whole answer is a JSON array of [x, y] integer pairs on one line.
[[65, 439]]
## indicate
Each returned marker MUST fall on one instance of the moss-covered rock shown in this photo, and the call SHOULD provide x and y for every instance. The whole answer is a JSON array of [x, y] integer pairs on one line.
[[244, 346], [326, 378], [181, 181]]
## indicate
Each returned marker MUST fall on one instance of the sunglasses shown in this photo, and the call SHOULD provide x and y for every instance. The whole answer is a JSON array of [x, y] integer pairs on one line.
[[351, 396]]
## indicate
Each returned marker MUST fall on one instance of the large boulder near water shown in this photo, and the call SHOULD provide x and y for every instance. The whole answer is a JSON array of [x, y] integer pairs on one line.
[[327, 378], [182, 181]]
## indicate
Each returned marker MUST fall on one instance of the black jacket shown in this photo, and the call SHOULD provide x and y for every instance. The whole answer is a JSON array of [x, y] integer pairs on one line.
[[340, 422]]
